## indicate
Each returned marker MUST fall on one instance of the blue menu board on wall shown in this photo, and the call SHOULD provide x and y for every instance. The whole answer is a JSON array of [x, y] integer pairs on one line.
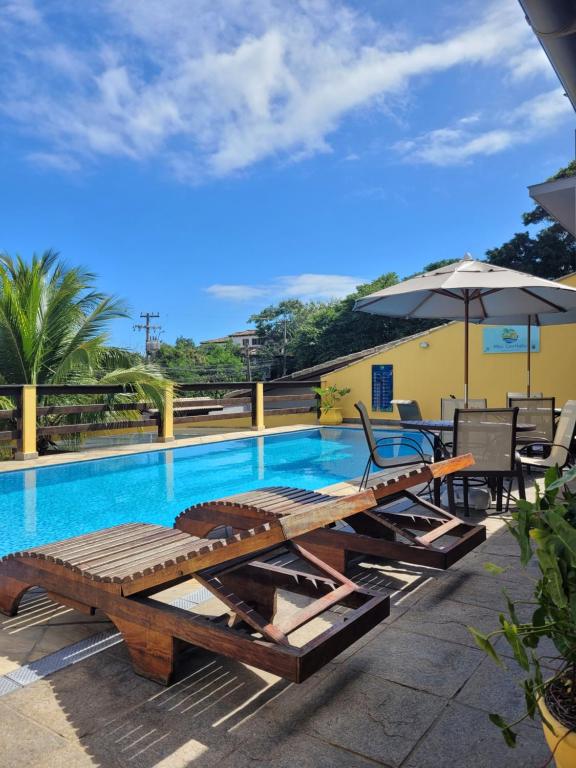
[[382, 385]]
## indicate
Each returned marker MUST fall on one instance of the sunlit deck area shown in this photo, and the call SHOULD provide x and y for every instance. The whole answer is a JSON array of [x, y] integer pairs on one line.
[[413, 693]]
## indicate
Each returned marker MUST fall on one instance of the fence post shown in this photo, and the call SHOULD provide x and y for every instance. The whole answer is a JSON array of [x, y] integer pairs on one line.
[[26, 445], [166, 425], [258, 406], [323, 384]]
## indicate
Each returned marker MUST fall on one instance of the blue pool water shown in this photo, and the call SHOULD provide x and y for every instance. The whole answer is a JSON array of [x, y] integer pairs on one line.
[[50, 503]]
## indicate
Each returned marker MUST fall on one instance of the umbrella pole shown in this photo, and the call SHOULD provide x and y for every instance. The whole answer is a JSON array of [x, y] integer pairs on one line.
[[529, 357], [466, 341]]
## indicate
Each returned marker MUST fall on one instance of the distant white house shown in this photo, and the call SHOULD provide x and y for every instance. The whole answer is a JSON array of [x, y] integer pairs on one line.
[[239, 338]]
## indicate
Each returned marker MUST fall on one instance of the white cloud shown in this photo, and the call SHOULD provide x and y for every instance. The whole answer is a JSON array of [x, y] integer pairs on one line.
[[236, 292], [530, 63], [216, 90], [20, 12], [471, 138], [304, 286], [60, 162]]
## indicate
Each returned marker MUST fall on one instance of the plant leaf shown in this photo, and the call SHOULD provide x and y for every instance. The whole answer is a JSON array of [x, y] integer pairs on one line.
[[566, 477], [511, 607], [485, 645], [509, 736], [565, 532], [511, 634], [494, 569], [530, 698]]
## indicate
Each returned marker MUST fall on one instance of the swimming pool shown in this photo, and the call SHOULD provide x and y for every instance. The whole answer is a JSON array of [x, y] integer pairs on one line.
[[50, 503]]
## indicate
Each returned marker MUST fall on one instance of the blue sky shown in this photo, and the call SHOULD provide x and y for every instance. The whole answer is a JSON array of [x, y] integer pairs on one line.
[[208, 157]]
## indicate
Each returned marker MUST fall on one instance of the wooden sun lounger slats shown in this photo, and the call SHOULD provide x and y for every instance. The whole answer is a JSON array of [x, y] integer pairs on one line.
[[123, 553], [118, 570], [100, 556], [183, 548], [377, 531]]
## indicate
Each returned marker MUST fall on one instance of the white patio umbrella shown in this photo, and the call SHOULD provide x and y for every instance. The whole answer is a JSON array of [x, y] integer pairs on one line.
[[530, 321], [470, 290]]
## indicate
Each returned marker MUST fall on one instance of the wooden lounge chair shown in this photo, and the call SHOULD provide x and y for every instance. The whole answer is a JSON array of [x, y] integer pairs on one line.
[[423, 534], [120, 570]]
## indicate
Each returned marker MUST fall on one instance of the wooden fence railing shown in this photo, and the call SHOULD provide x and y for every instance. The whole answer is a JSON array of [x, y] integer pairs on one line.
[[42, 411]]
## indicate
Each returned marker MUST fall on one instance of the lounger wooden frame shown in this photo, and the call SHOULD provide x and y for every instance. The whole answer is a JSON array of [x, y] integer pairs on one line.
[[379, 531], [119, 571]]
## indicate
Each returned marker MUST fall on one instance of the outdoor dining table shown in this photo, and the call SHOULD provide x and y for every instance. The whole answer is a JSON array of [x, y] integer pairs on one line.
[[432, 428]]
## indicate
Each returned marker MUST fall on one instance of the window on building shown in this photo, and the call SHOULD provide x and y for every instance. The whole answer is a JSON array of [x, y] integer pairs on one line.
[[255, 342], [245, 342]]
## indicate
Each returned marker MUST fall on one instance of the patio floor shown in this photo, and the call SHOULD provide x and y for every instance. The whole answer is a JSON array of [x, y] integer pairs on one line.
[[414, 693]]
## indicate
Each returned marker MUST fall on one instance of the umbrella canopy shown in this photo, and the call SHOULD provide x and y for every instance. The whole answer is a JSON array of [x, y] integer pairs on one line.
[[470, 290]]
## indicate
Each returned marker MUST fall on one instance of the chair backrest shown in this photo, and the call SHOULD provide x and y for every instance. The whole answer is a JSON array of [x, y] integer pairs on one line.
[[489, 434], [564, 434], [538, 411], [522, 395], [408, 410], [367, 427], [395, 443], [448, 406]]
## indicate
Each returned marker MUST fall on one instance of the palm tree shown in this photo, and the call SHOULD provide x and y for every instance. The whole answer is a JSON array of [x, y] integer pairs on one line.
[[53, 330]]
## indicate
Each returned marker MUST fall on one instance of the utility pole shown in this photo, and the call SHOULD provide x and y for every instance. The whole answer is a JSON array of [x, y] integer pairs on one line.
[[284, 346], [152, 341]]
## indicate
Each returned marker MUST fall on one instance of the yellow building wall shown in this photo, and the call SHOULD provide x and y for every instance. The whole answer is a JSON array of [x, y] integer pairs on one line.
[[427, 375]]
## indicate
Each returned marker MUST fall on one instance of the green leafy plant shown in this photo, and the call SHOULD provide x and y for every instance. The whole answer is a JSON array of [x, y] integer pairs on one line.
[[54, 330], [330, 397], [545, 530]]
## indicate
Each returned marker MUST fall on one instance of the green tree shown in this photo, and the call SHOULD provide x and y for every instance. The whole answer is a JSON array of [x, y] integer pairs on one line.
[[278, 326], [224, 362], [186, 362], [550, 252], [317, 331], [180, 359], [341, 331]]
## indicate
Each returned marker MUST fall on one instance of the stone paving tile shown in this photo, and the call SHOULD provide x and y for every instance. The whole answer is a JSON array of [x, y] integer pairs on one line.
[[501, 543], [82, 698], [68, 756], [360, 712], [214, 690], [197, 721], [464, 738], [142, 740], [494, 689], [481, 590], [290, 750], [513, 571], [424, 663], [400, 604], [447, 620], [22, 741]]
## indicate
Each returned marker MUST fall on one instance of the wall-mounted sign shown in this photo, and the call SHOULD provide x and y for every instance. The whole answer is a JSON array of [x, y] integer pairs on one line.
[[382, 387], [502, 339]]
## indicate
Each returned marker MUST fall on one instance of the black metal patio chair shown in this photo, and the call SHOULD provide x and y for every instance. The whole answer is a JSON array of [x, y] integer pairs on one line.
[[394, 442]]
